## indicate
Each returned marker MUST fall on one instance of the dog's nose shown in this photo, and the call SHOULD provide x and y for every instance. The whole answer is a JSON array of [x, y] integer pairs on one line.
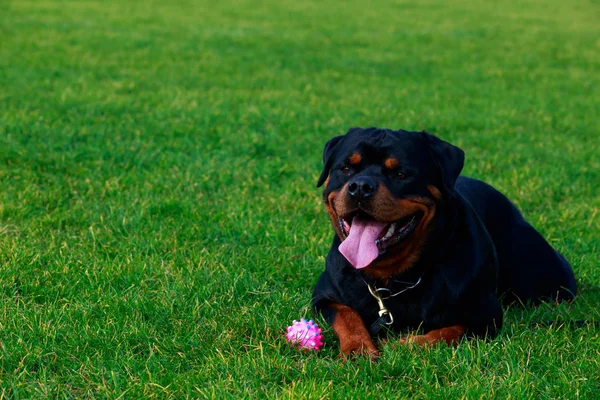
[[361, 187]]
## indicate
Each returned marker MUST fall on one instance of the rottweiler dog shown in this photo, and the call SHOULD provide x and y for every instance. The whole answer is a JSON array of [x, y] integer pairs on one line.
[[418, 247]]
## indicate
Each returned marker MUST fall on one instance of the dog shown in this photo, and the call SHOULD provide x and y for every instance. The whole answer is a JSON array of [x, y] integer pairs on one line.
[[417, 247]]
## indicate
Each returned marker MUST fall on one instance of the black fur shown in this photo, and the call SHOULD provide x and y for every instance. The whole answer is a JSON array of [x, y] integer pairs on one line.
[[481, 248]]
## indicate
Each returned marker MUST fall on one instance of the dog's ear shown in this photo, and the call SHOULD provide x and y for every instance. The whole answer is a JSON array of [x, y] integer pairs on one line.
[[328, 158], [449, 159]]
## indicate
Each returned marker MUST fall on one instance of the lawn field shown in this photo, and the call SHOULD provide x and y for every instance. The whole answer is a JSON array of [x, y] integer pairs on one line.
[[159, 220]]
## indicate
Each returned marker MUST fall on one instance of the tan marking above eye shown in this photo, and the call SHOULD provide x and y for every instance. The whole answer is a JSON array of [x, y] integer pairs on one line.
[[354, 159], [391, 163]]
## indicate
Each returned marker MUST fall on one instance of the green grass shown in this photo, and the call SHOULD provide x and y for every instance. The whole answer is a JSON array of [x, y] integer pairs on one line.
[[159, 221]]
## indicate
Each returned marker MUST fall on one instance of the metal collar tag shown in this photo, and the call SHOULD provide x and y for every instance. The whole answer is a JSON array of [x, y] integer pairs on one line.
[[385, 316], [382, 310]]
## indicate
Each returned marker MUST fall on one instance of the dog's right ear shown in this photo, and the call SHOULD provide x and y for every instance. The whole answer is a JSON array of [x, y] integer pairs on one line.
[[328, 158]]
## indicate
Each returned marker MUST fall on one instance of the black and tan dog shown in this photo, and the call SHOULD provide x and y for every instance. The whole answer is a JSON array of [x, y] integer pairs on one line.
[[418, 247]]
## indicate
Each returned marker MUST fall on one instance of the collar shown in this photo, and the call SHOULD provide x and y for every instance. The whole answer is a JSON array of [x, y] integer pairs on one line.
[[395, 284], [383, 293]]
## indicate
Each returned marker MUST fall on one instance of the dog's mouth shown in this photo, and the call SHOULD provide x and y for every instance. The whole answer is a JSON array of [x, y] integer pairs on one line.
[[391, 234], [365, 238]]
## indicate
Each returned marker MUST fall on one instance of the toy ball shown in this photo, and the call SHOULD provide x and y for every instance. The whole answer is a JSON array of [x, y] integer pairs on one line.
[[305, 334]]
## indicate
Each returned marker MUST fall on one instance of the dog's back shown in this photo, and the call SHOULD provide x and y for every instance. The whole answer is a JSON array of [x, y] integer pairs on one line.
[[530, 269]]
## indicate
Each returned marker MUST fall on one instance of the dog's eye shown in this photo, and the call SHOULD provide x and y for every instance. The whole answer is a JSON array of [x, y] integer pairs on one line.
[[399, 175], [345, 169]]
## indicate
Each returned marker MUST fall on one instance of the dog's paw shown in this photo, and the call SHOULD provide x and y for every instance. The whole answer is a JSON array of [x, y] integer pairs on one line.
[[420, 340], [449, 336], [363, 349]]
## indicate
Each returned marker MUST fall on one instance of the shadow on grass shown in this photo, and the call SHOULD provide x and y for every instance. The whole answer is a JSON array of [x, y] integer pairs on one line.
[[581, 312]]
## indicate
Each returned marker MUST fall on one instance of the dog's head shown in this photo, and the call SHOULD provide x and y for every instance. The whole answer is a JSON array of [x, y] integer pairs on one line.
[[382, 191]]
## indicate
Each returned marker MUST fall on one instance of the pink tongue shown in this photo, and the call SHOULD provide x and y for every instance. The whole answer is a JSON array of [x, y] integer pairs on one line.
[[359, 247]]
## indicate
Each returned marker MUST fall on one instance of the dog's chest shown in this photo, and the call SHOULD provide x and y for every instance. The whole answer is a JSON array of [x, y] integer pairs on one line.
[[410, 307]]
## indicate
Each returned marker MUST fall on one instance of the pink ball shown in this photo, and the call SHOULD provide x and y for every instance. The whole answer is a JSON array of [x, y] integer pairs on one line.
[[305, 334]]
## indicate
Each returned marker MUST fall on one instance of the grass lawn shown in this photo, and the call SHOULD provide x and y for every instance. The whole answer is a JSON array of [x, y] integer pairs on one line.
[[159, 221]]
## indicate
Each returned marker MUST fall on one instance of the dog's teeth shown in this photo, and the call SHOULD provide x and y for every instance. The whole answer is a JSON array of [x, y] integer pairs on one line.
[[391, 230], [346, 225]]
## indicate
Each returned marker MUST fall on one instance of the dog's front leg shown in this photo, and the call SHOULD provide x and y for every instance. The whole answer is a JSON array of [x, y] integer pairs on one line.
[[352, 333], [450, 335]]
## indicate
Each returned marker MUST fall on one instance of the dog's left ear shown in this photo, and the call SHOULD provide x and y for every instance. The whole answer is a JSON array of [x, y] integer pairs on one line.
[[328, 158], [449, 159]]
